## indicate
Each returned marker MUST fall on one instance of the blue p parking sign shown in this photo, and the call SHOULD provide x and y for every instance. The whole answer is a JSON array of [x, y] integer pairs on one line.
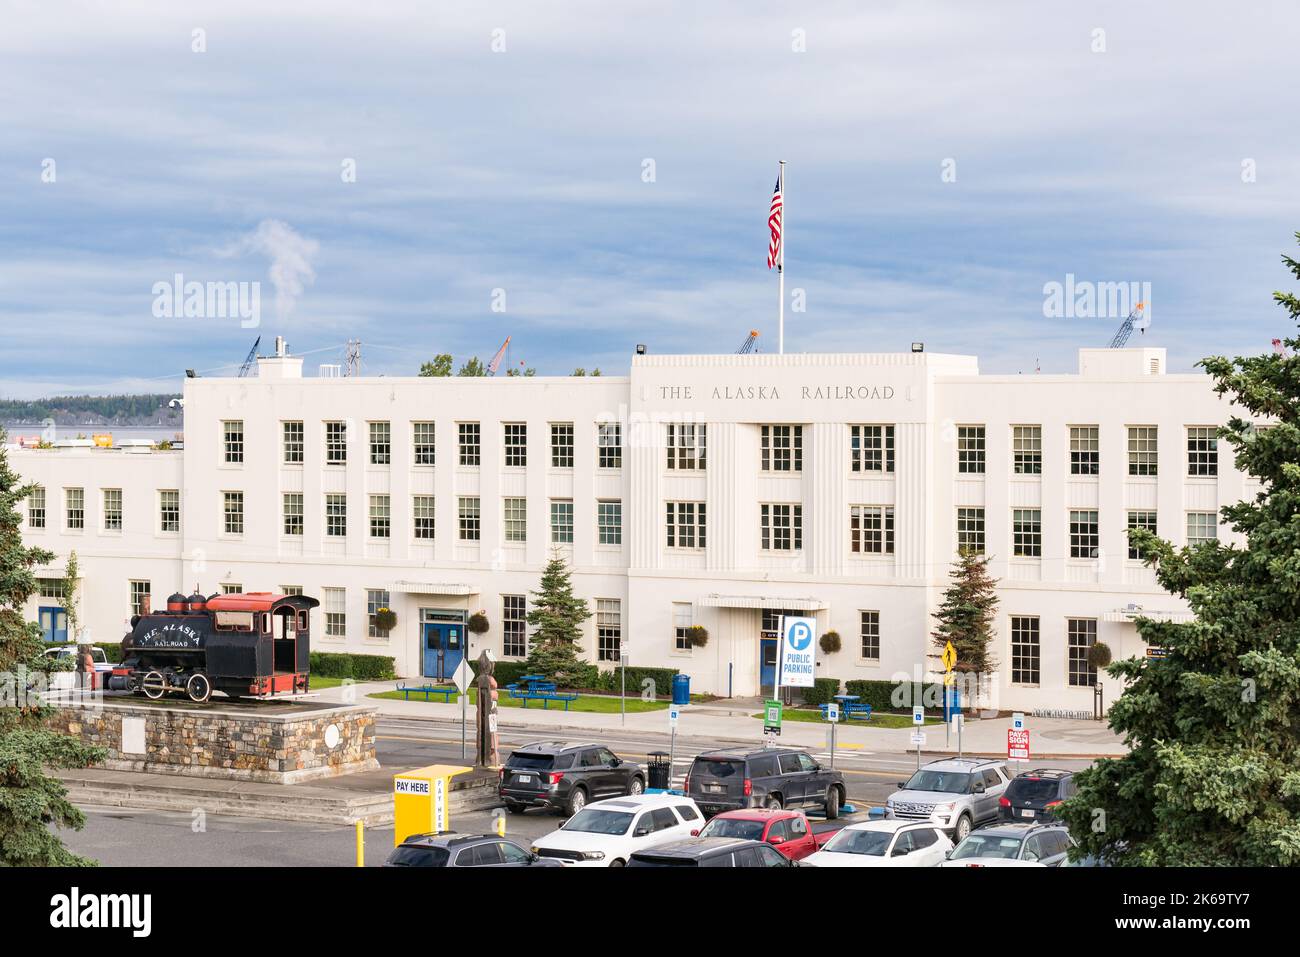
[[797, 651]]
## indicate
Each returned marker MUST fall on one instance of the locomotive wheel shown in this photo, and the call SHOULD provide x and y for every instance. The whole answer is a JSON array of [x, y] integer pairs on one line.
[[153, 685], [199, 688]]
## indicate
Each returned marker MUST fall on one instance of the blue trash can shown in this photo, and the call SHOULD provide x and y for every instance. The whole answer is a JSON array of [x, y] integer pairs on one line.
[[681, 689]]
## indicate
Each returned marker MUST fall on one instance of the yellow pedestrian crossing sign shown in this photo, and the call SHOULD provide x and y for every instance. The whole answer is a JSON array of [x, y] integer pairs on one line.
[[949, 656]]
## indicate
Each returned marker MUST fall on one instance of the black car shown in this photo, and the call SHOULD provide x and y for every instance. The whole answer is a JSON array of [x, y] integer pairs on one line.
[[710, 852], [764, 777], [565, 776], [463, 850], [1035, 795]]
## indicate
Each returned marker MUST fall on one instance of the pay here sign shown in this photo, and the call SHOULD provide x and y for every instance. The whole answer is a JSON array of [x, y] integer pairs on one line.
[[797, 651]]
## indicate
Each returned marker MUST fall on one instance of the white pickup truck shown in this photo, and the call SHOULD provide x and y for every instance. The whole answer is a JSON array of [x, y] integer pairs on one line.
[[67, 680]]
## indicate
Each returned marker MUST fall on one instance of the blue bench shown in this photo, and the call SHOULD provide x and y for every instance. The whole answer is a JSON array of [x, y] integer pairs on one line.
[[849, 711], [537, 693], [427, 690]]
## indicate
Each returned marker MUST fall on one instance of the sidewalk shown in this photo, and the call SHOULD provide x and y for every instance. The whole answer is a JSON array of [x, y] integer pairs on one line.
[[729, 720]]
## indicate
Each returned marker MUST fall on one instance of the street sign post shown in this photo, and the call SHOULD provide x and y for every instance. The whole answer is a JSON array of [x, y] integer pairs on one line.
[[833, 716], [772, 717], [1018, 720], [623, 653], [1017, 744], [918, 714], [674, 712], [918, 739], [463, 678]]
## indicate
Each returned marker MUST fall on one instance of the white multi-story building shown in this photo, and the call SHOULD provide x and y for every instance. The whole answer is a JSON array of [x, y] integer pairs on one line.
[[711, 490]]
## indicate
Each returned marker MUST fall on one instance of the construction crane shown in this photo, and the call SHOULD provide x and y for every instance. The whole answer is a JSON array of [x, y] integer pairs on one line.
[[252, 354], [750, 344], [1126, 327]]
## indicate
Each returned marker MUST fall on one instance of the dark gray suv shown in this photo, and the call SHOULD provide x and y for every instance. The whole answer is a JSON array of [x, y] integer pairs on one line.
[[764, 777], [565, 776]]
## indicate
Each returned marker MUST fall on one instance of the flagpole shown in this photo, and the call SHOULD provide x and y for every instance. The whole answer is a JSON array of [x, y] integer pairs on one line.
[[780, 272]]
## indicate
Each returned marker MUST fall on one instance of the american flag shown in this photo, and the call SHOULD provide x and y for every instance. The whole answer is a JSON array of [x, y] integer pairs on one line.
[[774, 224]]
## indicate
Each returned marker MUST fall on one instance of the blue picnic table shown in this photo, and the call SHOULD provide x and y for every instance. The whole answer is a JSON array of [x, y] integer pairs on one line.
[[849, 707], [538, 689], [446, 691]]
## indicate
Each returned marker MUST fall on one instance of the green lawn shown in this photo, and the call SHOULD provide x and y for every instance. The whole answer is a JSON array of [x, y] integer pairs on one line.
[[600, 704], [320, 682], [879, 719]]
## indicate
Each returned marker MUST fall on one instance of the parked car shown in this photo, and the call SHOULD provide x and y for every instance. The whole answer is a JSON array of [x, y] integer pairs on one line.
[[565, 776], [463, 850], [1035, 795], [788, 831], [1045, 844], [883, 843], [763, 777], [607, 833], [958, 794], [711, 852]]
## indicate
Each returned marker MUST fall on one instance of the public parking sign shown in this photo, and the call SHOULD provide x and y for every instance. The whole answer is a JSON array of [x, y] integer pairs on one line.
[[797, 651], [1017, 744]]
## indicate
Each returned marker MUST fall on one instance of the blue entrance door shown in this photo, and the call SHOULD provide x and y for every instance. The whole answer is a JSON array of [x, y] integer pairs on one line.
[[767, 665], [54, 624], [444, 647]]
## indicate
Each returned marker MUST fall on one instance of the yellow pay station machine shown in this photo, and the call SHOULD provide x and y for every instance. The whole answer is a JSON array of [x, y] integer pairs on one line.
[[420, 799]]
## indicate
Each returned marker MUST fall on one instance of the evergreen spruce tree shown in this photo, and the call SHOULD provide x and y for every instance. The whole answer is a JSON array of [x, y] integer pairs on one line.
[[1213, 774], [556, 618], [966, 617], [31, 801]]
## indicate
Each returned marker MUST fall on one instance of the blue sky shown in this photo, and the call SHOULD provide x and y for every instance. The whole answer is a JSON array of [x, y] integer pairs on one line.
[[522, 171]]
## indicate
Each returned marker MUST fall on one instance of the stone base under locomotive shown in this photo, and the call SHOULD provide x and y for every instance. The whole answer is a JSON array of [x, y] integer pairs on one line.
[[274, 742]]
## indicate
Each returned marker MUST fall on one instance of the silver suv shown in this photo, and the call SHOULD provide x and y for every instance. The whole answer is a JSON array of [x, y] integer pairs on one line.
[[956, 794]]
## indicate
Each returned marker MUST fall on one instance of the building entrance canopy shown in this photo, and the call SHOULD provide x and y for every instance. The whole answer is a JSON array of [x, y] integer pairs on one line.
[[433, 588], [761, 601]]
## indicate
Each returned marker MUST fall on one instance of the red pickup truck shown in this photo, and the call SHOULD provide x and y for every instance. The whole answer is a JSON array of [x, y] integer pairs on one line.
[[788, 831]]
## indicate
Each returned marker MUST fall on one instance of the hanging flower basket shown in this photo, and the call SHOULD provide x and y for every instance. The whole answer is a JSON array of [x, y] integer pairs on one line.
[[1099, 655], [385, 619], [697, 635], [830, 642], [478, 622]]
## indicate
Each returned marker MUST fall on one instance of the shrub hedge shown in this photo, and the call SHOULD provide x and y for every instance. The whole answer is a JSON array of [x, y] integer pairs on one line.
[[823, 691], [333, 664], [880, 694]]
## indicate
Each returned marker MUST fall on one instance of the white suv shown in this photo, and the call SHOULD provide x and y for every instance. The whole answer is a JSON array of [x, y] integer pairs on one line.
[[607, 833], [955, 794]]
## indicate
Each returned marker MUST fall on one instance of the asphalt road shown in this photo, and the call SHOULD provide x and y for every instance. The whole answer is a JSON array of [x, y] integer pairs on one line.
[[128, 838]]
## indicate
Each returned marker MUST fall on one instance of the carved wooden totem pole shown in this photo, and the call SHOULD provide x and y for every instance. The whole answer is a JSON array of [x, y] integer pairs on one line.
[[486, 756]]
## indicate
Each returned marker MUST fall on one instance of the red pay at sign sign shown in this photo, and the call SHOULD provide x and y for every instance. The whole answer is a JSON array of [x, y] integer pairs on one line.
[[1018, 744]]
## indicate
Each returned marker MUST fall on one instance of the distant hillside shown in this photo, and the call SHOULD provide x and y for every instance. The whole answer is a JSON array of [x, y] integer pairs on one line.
[[121, 410]]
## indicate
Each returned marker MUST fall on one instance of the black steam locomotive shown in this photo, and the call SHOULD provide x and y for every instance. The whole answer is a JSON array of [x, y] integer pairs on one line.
[[250, 645]]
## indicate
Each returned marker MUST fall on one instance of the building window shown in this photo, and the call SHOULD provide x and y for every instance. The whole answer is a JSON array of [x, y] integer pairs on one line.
[[609, 445], [74, 500], [562, 521], [290, 589], [50, 588], [516, 438], [1202, 451], [685, 524], [1024, 650], [381, 516], [970, 449], [231, 588], [112, 509], [292, 443], [335, 603], [1085, 537], [336, 515], [782, 448], [139, 597], [561, 445], [467, 509], [381, 443], [514, 626], [1084, 450], [1027, 449], [1142, 450], [609, 522], [469, 439], [871, 635], [970, 531], [36, 508], [871, 529], [1145, 520], [169, 510], [1202, 527], [293, 515], [1082, 633], [232, 509], [686, 446], [871, 448], [515, 518], [375, 600], [422, 515], [336, 443], [233, 437], [609, 628], [781, 527], [422, 443], [682, 623], [1027, 532]]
